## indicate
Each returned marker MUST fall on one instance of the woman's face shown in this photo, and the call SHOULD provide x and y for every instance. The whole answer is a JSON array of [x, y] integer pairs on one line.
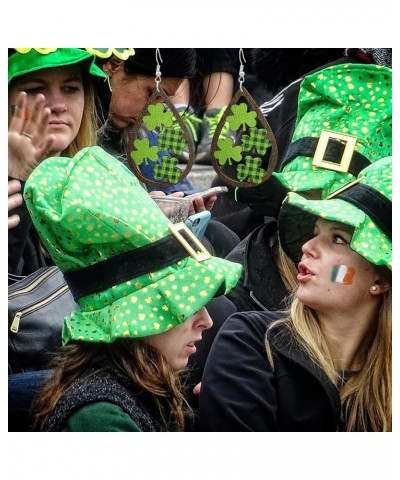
[[333, 277], [130, 93], [178, 343], [64, 93]]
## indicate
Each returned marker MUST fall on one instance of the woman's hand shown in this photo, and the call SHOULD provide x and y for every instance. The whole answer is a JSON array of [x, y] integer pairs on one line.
[[14, 201], [197, 205], [28, 138]]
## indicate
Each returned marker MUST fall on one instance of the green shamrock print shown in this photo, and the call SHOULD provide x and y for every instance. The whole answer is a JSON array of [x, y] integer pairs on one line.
[[256, 140], [144, 152], [168, 170], [171, 139], [227, 152], [157, 116], [251, 170], [241, 117]]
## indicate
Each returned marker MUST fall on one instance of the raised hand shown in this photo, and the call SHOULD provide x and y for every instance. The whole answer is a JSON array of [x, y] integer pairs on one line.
[[28, 137]]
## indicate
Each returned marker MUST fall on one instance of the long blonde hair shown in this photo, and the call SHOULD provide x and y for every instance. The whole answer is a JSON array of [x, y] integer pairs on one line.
[[87, 134], [367, 396]]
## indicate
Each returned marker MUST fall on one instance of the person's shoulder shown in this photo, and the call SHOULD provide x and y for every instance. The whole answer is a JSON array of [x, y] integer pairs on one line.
[[252, 322], [100, 417]]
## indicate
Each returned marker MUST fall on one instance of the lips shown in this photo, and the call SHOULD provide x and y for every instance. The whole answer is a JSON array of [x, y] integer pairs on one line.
[[305, 274]]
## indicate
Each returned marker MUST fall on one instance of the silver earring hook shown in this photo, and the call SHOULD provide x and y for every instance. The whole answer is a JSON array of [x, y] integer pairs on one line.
[[158, 68], [241, 69]]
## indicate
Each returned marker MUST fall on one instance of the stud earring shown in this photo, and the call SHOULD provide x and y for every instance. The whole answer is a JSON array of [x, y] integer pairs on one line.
[[374, 288], [163, 119], [242, 157]]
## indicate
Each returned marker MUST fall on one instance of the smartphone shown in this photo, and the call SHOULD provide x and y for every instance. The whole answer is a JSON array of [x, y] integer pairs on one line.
[[207, 193], [198, 222]]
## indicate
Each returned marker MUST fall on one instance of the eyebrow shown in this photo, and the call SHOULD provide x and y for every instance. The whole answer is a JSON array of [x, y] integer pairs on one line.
[[65, 80], [340, 226]]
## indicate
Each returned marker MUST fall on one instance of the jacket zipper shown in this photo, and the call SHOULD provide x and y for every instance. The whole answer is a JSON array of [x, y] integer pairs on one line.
[[255, 300], [16, 320], [33, 285]]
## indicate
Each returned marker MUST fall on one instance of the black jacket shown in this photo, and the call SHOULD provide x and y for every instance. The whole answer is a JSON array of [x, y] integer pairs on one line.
[[25, 253], [240, 391], [260, 286]]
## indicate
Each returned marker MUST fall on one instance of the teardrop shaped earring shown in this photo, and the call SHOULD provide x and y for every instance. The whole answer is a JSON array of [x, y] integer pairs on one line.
[[163, 119], [239, 162]]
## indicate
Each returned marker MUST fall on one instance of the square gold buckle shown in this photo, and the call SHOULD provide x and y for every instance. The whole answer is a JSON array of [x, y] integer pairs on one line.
[[189, 241], [343, 166]]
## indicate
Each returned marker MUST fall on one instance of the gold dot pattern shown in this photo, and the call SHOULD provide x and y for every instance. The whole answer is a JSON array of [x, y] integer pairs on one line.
[[91, 208], [368, 240], [353, 99]]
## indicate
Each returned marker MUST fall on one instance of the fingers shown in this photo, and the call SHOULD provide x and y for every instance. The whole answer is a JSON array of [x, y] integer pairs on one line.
[[157, 193], [14, 201], [14, 186], [177, 194], [18, 117], [209, 202], [13, 221], [197, 389], [37, 120]]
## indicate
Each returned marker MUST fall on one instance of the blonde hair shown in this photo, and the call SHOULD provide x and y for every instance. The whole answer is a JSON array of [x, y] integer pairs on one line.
[[86, 136], [367, 396]]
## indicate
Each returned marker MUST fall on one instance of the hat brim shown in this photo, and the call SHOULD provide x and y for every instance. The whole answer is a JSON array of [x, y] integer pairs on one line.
[[23, 63], [153, 303], [297, 220]]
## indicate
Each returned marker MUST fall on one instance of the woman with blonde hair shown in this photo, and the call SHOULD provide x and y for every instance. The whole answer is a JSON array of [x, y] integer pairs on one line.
[[324, 365], [64, 81]]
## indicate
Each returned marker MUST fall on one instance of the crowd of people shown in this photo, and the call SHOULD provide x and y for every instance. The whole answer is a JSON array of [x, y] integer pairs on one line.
[[280, 318]]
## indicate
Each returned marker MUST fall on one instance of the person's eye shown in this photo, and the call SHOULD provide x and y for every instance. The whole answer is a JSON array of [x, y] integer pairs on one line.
[[72, 89], [339, 239], [34, 90]]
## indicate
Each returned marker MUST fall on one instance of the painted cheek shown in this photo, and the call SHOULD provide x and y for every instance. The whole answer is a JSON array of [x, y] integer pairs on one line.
[[342, 274]]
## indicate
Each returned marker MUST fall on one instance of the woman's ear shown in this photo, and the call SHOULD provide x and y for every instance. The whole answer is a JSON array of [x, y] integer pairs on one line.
[[111, 66], [380, 286]]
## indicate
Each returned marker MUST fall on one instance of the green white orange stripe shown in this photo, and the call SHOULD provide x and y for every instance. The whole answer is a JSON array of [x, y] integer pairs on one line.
[[342, 274]]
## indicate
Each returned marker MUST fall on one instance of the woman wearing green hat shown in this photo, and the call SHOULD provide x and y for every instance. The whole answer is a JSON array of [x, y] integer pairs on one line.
[[66, 78], [141, 284], [325, 365]]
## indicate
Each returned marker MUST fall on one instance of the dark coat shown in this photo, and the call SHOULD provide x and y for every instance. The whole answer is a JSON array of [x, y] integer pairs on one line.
[[241, 392], [25, 253], [260, 286]]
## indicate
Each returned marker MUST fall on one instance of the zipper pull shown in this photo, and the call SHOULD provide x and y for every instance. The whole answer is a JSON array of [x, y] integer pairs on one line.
[[15, 323]]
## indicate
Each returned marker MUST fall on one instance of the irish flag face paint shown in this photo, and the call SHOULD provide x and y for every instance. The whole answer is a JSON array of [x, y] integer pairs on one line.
[[342, 274]]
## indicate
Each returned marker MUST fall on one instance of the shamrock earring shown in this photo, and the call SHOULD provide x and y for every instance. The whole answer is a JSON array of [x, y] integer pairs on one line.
[[239, 162], [165, 122]]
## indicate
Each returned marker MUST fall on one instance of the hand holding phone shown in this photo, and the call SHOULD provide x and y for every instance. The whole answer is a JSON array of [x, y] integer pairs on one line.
[[207, 193]]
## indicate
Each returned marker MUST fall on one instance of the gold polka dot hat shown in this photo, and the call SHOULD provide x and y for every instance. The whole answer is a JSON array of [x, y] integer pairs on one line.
[[365, 204], [132, 272], [26, 60], [343, 124]]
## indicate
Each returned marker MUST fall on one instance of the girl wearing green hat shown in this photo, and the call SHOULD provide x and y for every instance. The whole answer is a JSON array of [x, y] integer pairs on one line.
[[61, 81], [141, 284], [324, 365]]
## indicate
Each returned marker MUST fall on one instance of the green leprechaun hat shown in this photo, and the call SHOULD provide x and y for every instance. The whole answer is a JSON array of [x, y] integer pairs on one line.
[[344, 123], [26, 60], [365, 204], [132, 272]]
